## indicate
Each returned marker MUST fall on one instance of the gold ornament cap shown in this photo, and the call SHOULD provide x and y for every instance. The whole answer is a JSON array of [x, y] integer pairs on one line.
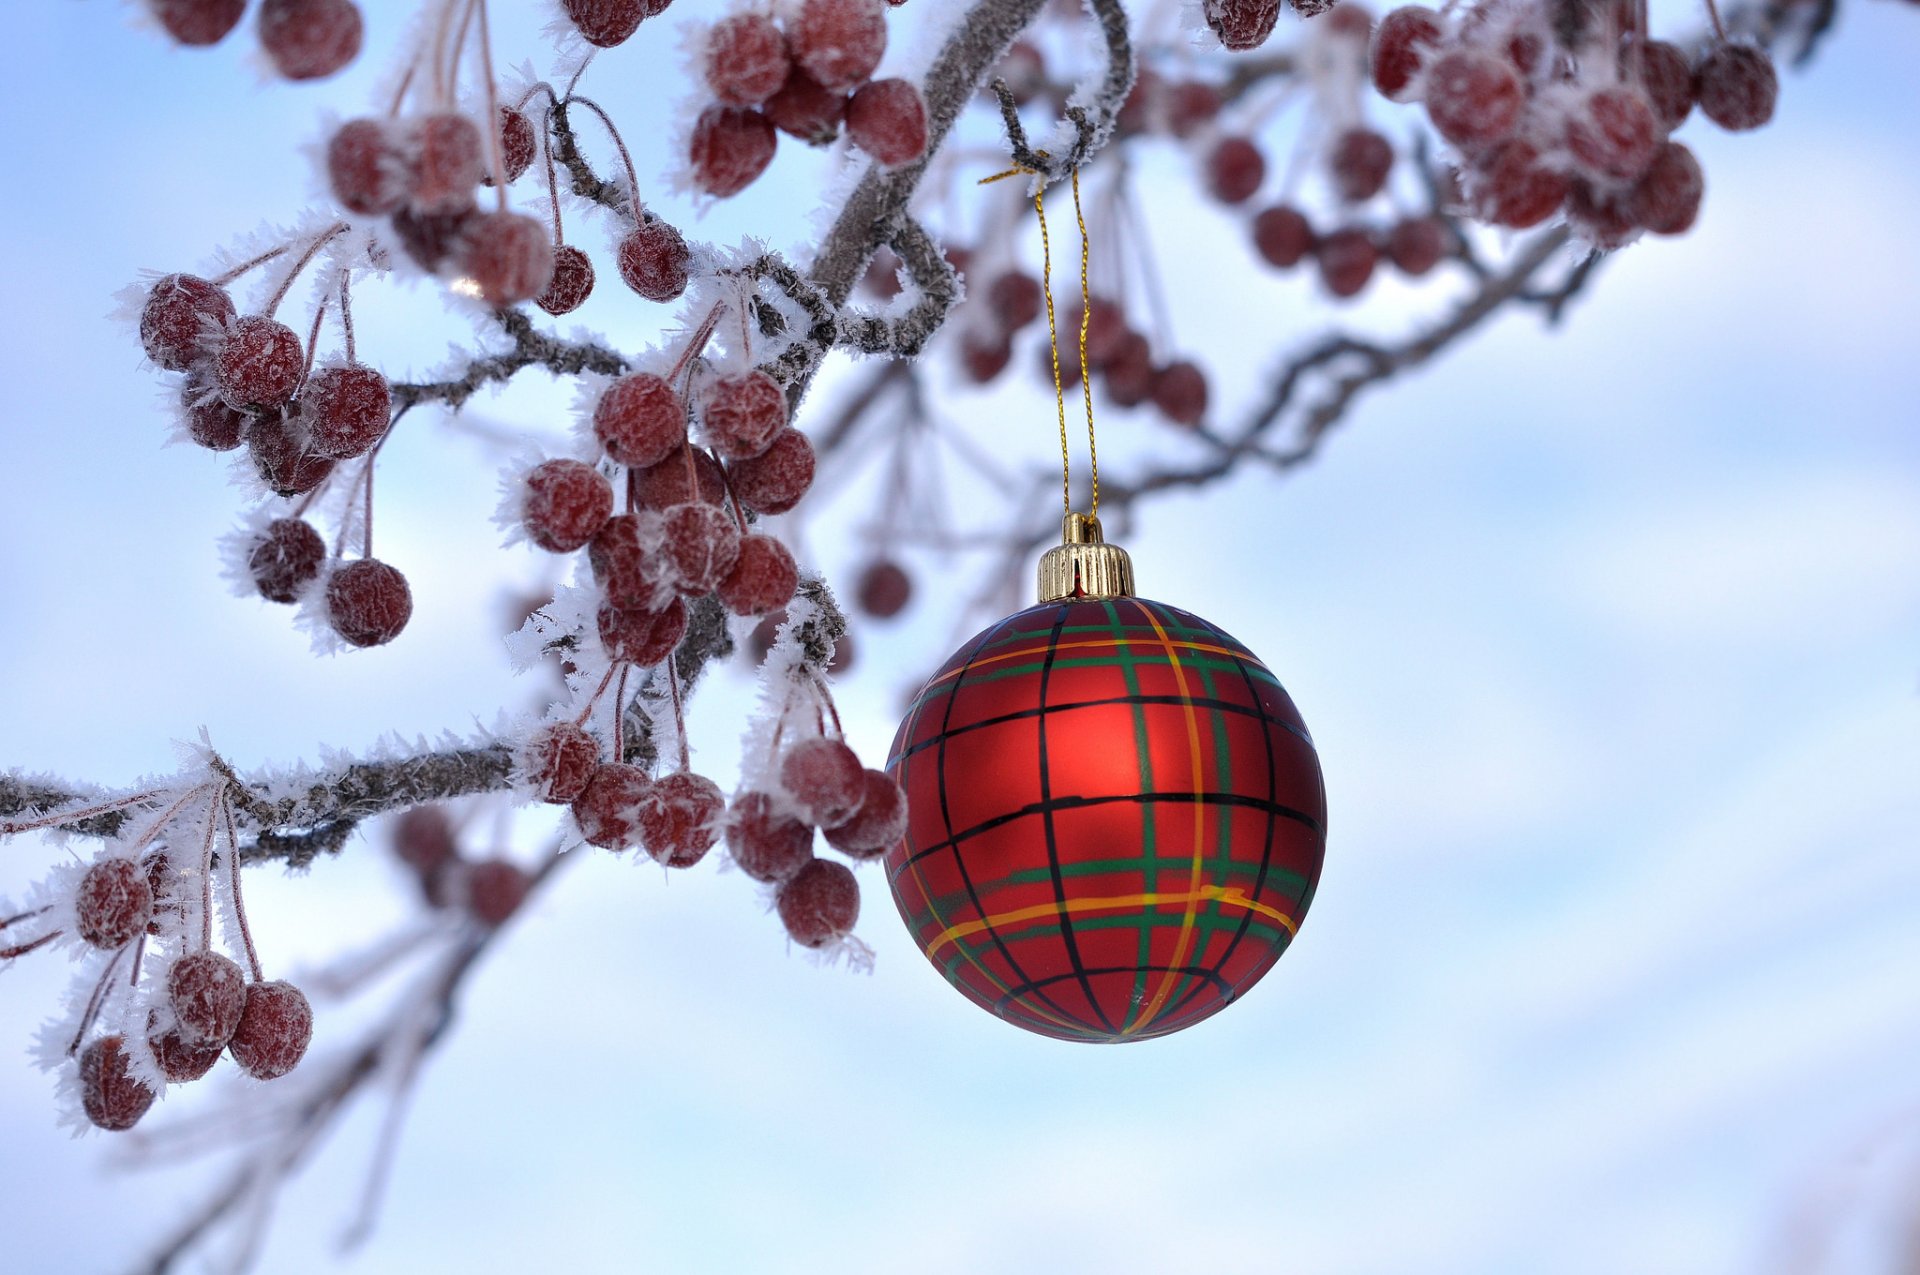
[[1084, 565]]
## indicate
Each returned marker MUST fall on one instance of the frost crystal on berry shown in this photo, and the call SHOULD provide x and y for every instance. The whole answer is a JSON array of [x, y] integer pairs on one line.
[[1242, 24], [559, 760], [765, 844], [113, 903], [275, 1028], [571, 284], [746, 59], [740, 415], [763, 578], [624, 566], [347, 408], [825, 779], [605, 22], [183, 317], [877, 825], [838, 42], [310, 39], [259, 364], [640, 420], [731, 146], [653, 260], [368, 602], [820, 904], [700, 544], [639, 636], [207, 993], [679, 819], [567, 502], [888, 120], [774, 481], [608, 808], [112, 1098]]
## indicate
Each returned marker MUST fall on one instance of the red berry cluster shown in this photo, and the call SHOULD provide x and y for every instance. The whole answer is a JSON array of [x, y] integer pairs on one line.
[[821, 785], [1577, 122], [208, 1005], [804, 78], [488, 890], [248, 380], [423, 174], [304, 39]]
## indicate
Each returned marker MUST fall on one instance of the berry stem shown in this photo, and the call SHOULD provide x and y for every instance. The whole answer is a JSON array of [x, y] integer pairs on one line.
[[206, 878], [553, 178], [695, 345], [406, 82], [313, 250], [8, 953], [1713, 16], [239, 905], [494, 145], [679, 719], [165, 816], [449, 65], [25, 916], [826, 698], [96, 1000], [346, 312], [313, 339], [626, 160], [594, 698], [229, 276], [366, 522], [733, 501], [139, 954], [620, 716]]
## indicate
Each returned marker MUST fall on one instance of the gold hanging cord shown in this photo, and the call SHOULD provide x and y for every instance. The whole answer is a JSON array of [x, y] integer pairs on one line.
[[1053, 334]]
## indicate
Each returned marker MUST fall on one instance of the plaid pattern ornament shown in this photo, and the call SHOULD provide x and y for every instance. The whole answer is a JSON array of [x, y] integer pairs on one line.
[[1116, 817]]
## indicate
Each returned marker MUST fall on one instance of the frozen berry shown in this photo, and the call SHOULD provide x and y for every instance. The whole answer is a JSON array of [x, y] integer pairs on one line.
[[879, 823], [824, 778], [1515, 189], [368, 602], [207, 992], [517, 145], [285, 559], [774, 481], [259, 364], [807, 111], [765, 844], [495, 891], [1401, 43], [280, 453], [1235, 169], [985, 355], [679, 818], [1180, 392], [1349, 21], [1736, 87], [605, 23], [423, 840], [507, 255], [1473, 97], [310, 39], [558, 760], [183, 319], [1128, 377], [640, 420], [180, 1060], [742, 414], [653, 260], [209, 421], [686, 475], [639, 636], [429, 238], [884, 589], [632, 577], [198, 22], [1190, 107], [567, 504], [571, 284], [275, 1028], [763, 578], [110, 1095], [449, 159], [888, 120], [1242, 24], [820, 904], [838, 42], [1666, 199], [1661, 70], [1602, 216], [746, 59], [366, 168], [1015, 299], [699, 543], [113, 903], [608, 808], [1416, 244], [1282, 236], [347, 409], [1612, 133], [731, 146], [1360, 161], [1346, 258]]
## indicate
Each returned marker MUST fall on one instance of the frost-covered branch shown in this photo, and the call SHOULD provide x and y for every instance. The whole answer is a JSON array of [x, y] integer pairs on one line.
[[531, 348]]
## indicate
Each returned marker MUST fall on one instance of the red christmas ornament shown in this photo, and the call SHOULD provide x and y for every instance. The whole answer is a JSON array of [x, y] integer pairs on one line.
[[1116, 816]]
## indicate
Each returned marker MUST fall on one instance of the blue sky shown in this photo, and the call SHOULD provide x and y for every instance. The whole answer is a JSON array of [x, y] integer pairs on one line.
[[1607, 636]]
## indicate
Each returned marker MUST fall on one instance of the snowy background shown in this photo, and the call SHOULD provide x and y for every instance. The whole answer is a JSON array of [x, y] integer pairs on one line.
[[1610, 639]]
